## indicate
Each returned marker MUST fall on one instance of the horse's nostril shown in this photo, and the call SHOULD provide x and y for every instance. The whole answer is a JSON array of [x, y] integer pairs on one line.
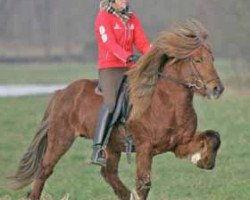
[[218, 89]]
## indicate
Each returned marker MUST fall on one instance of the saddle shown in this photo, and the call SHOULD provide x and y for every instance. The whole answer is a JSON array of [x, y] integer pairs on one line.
[[120, 115]]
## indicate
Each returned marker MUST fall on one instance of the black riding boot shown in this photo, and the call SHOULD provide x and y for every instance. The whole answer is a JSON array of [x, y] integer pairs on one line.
[[104, 118]]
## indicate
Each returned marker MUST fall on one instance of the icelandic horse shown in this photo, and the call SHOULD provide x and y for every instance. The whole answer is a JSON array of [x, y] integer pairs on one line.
[[162, 119]]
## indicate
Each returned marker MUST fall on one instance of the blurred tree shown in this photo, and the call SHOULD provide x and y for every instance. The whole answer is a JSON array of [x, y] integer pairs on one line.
[[243, 16], [42, 15], [6, 8], [67, 27]]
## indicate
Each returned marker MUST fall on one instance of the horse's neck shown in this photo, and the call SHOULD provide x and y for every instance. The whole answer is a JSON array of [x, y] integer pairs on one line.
[[172, 105], [171, 97], [175, 91], [170, 92]]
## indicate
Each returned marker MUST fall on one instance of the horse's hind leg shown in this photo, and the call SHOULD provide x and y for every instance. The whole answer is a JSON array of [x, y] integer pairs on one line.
[[58, 144], [110, 174]]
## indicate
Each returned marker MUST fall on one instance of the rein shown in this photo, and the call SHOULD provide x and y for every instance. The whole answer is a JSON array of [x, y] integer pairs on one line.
[[181, 82], [197, 81]]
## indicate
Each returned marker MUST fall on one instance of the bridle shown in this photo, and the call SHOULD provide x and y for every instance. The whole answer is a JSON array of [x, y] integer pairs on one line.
[[196, 79]]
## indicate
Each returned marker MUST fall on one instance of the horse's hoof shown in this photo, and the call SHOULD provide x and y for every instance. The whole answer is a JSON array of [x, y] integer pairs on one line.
[[29, 196], [134, 195]]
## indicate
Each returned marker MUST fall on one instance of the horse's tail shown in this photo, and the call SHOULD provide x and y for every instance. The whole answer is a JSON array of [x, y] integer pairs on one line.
[[30, 164]]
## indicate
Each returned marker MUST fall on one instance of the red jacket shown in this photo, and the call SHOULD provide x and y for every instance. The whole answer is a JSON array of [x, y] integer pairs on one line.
[[116, 39]]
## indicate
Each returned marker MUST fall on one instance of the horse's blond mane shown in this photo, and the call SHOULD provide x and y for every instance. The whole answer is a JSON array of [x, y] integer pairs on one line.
[[176, 44]]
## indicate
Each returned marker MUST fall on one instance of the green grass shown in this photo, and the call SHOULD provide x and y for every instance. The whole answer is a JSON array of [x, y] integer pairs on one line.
[[173, 179], [45, 73]]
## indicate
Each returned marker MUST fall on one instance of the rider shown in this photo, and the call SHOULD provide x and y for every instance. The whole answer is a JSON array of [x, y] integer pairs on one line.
[[117, 30]]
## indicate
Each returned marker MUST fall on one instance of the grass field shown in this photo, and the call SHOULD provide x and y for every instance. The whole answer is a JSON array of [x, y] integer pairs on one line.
[[173, 179]]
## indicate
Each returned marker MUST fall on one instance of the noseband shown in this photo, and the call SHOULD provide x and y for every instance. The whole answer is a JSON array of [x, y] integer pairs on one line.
[[196, 79]]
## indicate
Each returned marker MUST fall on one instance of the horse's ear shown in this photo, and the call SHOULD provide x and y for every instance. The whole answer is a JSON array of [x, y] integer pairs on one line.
[[163, 59]]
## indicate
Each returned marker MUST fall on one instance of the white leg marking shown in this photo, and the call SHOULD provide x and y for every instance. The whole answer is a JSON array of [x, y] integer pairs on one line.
[[134, 195], [196, 157]]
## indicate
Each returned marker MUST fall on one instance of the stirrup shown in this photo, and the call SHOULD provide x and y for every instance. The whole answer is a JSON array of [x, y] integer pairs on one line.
[[98, 156]]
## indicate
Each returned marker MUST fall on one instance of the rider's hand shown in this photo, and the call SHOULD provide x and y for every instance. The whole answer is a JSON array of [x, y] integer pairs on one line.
[[133, 58]]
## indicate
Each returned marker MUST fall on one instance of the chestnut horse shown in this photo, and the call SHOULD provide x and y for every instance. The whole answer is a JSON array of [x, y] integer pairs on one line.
[[162, 119]]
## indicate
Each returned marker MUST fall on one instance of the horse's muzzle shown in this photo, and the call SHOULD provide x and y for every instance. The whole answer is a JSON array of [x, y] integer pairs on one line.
[[215, 91]]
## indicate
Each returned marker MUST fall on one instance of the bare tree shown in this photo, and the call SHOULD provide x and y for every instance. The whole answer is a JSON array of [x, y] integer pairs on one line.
[[42, 15], [6, 9], [70, 24], [243, 16]]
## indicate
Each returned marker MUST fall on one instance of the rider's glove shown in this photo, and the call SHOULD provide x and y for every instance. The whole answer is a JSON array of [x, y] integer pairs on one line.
[[133, 59]]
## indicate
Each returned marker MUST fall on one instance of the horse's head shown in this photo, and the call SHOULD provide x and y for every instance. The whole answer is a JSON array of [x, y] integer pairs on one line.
[[189, 53], [199, 73], [180, 55], [208, 144]]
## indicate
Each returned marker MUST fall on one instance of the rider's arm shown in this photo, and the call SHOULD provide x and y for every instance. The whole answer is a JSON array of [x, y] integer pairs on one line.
[[106, 36], [140, 39]]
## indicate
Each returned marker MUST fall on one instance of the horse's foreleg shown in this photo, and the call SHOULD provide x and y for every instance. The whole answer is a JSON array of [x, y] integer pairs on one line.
[[110, 174], [201, 149], [57, 146], [189, 147], [143, 172]]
